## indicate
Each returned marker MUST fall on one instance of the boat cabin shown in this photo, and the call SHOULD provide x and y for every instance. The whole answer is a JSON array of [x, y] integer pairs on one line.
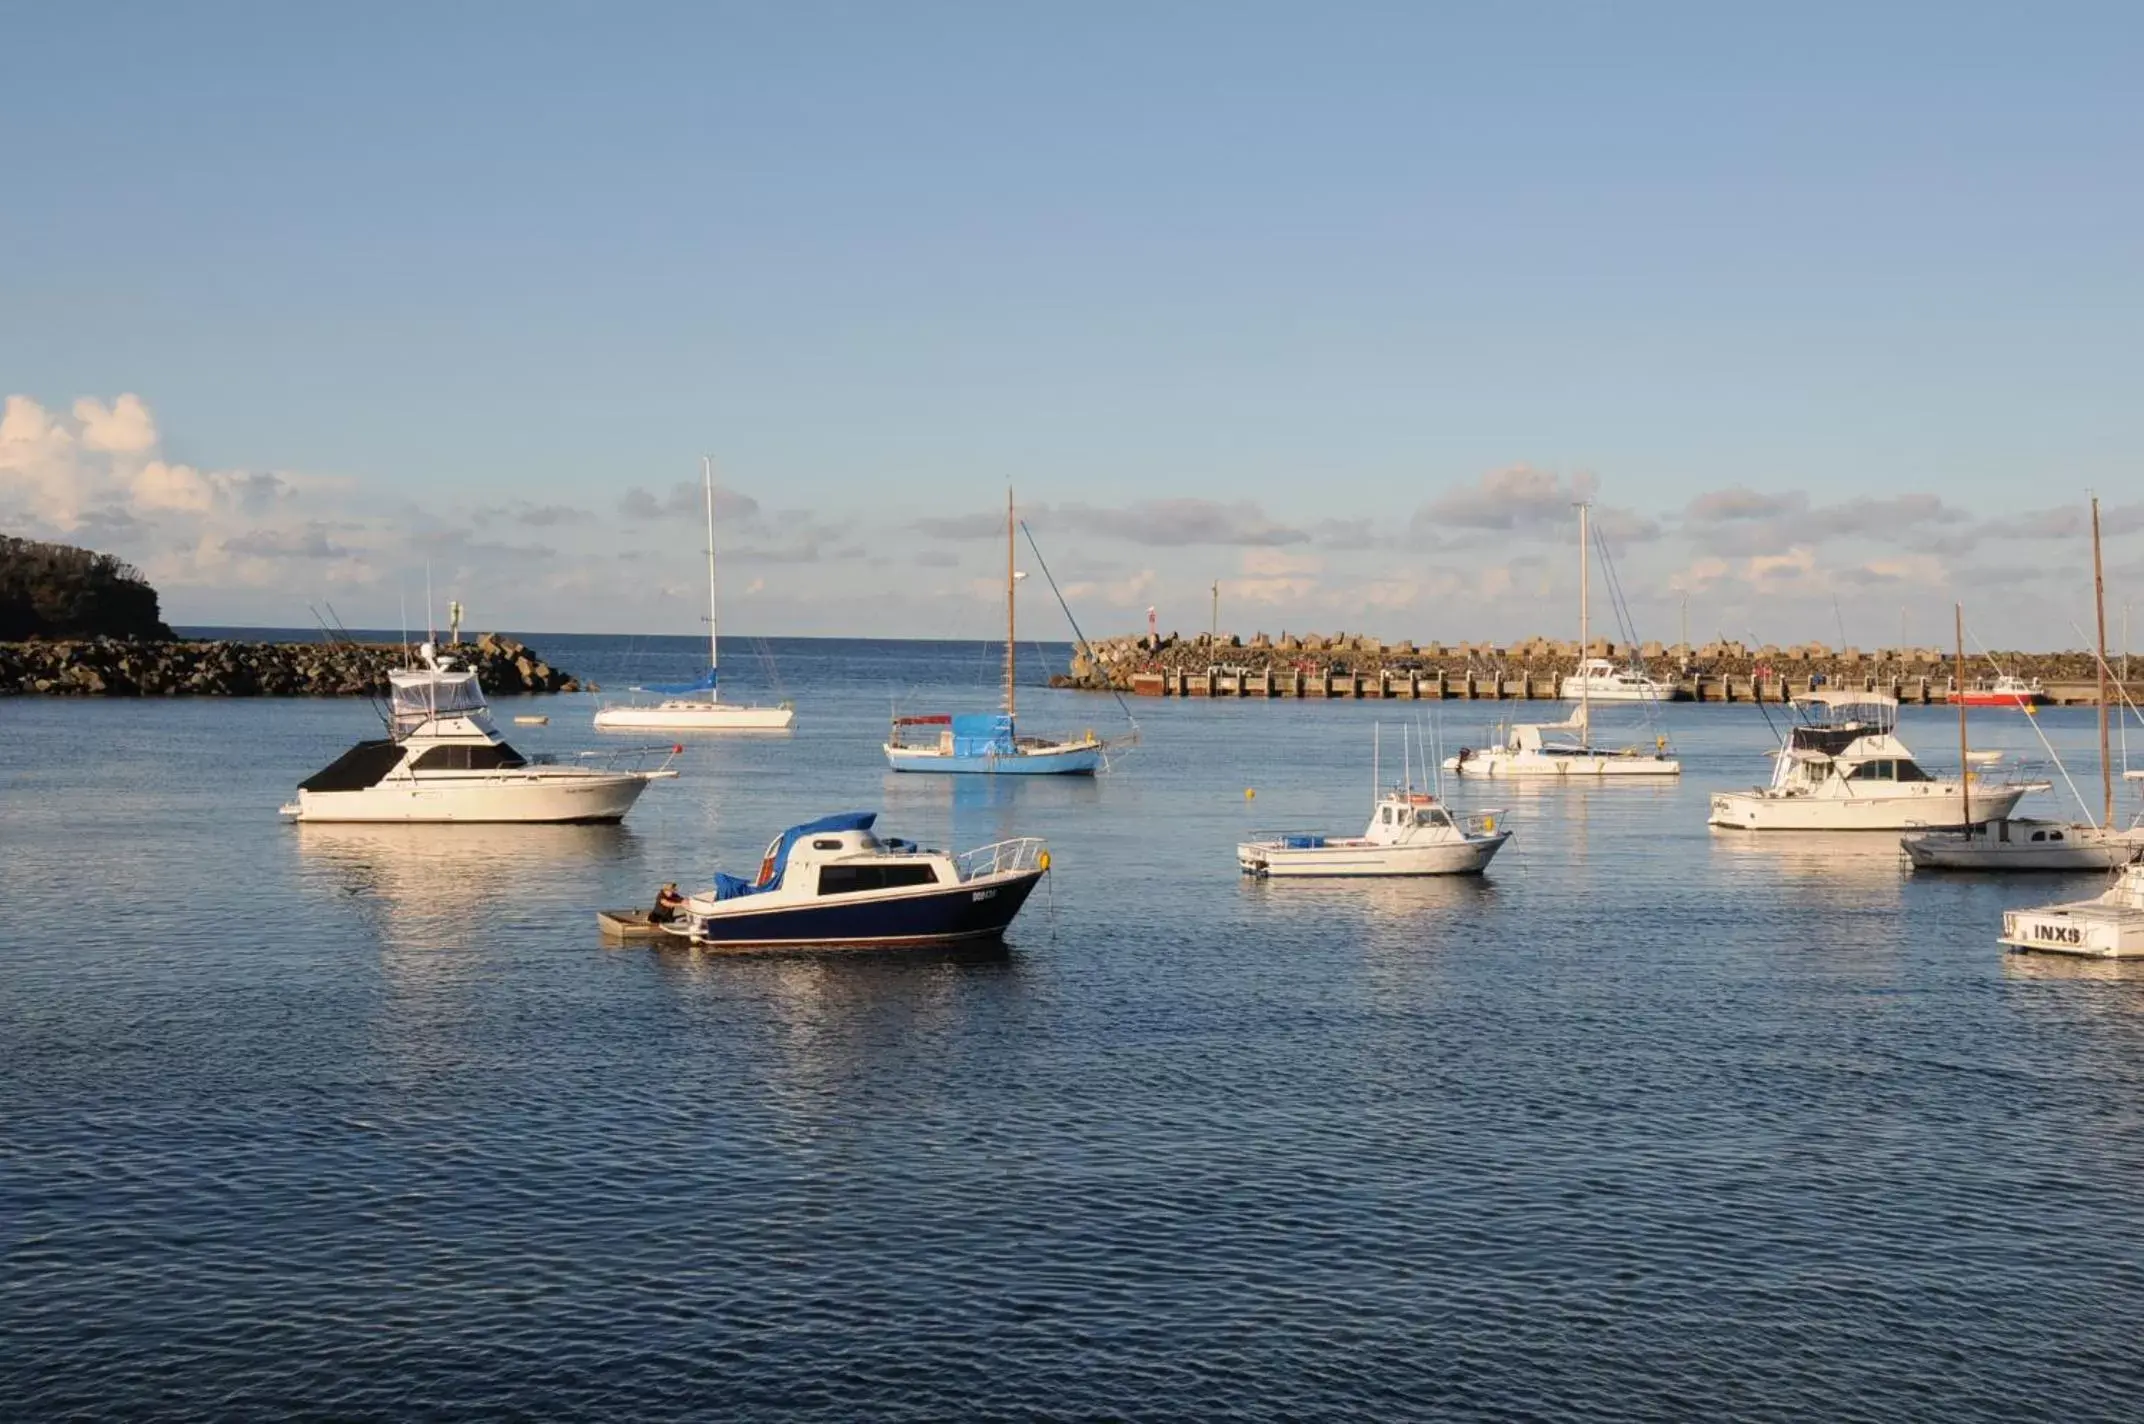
[[839, 855]]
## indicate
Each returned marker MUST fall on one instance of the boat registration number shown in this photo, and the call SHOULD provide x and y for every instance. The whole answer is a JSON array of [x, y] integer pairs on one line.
[[984, 895], [2058, 934]]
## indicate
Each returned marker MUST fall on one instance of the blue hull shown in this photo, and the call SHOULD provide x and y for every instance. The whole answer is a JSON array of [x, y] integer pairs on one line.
[[1083, 761], [965, 912]]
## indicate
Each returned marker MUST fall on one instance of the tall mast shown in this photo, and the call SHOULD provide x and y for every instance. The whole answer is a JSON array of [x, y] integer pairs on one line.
[[1585, 631], [2099, 604], [1965, 761], [1010, 579], [714, 626]]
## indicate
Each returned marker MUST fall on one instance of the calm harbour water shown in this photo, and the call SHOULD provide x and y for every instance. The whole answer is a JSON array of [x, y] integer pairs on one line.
[[1652, 1122]]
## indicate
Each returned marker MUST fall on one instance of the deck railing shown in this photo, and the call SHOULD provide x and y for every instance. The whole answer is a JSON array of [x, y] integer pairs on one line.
[[1004, 858]]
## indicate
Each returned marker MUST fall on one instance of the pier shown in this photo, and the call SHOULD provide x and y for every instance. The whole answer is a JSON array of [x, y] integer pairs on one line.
[[1359, 667]]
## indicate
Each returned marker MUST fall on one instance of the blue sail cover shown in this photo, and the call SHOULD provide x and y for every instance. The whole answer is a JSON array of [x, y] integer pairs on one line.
[[681, 689], [982, 734], [729, 887]]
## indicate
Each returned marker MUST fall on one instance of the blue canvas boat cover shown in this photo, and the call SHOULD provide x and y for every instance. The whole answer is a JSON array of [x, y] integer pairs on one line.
[[729, 887], [681, 689], [982, 734]]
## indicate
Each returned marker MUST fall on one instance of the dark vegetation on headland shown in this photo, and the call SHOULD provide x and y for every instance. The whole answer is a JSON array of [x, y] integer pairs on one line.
[[59, 591], [78, 623]]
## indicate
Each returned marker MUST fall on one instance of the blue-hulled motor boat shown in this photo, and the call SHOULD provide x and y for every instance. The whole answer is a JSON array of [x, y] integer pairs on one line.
[[831, 883]]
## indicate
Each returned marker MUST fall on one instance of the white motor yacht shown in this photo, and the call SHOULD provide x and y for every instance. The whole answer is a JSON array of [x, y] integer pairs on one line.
[[1844, 768], [1410, 833], [2110, 926], [443, 760], [1599, 680]]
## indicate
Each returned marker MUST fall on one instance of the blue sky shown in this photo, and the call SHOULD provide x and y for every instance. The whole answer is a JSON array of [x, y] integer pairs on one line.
[[1337, 304]]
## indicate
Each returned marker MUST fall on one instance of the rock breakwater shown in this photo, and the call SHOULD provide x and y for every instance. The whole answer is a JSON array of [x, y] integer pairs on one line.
[[109, 667], [1139, 663]]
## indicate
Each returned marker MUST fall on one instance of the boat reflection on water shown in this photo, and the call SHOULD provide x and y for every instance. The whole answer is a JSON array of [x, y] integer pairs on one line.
[[1859, 858], [434, 884], [2076, 967], [1416, 899]]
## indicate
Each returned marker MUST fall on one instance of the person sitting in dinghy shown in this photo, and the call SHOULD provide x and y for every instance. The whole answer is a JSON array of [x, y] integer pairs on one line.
[[667, 903]]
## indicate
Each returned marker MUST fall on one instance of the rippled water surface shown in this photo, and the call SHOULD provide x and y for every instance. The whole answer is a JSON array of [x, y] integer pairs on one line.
[[1651, 1122]]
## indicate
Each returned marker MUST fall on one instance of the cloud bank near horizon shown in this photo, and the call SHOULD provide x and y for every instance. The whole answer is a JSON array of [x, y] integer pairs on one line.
[[1491, 556]]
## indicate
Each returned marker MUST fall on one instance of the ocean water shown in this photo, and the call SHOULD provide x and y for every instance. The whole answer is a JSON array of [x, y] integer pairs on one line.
[[1651, 1122]]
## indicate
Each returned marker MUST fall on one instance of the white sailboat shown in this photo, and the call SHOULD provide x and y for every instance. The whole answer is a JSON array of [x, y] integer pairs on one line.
[[1528, 752], [697, 706], [2026, 843]]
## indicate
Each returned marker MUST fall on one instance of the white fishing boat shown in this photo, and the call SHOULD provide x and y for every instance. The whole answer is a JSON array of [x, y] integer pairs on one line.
[[697, 706], [443, 760], [1599, 680], [1529, 749], [831, 883], [1410, 833], [2109, 926], [1844, 768]]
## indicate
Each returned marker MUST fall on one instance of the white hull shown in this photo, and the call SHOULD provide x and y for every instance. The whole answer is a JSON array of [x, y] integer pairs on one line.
[[2059, 846], [1499, 762], [1573, 691], [2111, 927], [545, 796], [695, 717], [1901, 806], [1342, 858]]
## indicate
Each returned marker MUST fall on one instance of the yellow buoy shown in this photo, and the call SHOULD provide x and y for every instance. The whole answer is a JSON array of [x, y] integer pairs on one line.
[[1044, 860], [1250, 793], [1488, 824]]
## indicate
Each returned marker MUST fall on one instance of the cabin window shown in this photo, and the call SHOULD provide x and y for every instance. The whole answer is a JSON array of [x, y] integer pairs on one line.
[[1875, 771], [826, 845], [484, 757], [1384, 814], [2054, 835], [1911, 771], [2039, 835], [1429, 818], [362, 766], [849, 879]]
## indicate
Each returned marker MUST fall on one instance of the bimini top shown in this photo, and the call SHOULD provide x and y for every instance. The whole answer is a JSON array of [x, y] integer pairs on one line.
[[729, 887]]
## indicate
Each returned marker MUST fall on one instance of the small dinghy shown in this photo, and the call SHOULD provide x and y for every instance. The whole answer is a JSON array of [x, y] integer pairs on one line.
[[831, 883], [1410, 833]]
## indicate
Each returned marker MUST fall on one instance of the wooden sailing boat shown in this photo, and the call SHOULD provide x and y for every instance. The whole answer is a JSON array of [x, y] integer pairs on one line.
[[990, 743], [697, 706]]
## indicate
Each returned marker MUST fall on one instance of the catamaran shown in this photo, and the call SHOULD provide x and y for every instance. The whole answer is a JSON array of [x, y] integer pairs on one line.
[[697, 706], [1528, 751], [990, 743]]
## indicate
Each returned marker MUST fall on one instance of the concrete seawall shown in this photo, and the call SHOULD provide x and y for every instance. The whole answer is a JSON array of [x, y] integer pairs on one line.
[[1344, 666]]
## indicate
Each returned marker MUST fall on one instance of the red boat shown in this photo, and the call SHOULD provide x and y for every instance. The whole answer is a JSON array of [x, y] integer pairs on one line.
[[2006, 691]]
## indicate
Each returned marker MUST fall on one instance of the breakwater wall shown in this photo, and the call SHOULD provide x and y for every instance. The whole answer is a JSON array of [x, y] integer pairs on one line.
[[1357, 666], [111, 667]]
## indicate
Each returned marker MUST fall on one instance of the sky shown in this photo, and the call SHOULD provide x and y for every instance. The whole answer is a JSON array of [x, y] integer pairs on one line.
[[1832, 310]]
